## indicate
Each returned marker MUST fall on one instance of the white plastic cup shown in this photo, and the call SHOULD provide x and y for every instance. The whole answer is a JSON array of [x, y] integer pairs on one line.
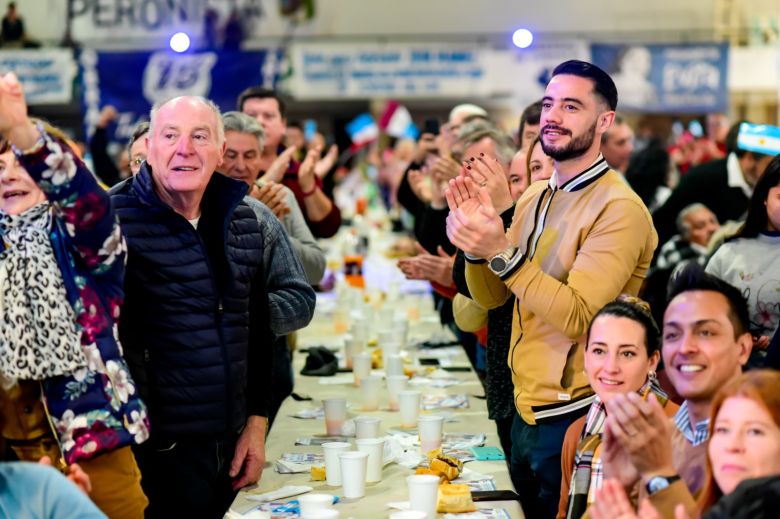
[[335, 415], [311, 502], [423, 493], [332, 463], [369, 389], [366, 427], [401, 327], [352, 346], [375, 448], [395, 384], [394, 365], [353, 473], [409, 404], [361, 366], [430, 429], [359, 330], [385, 335], [323, 513], [391, 349], [408, 514]]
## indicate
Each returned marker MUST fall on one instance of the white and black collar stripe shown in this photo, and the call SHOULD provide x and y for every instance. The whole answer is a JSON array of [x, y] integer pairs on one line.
[[582, 180]]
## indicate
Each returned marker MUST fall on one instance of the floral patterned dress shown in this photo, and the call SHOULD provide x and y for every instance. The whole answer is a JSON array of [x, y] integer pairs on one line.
[[96, 408]]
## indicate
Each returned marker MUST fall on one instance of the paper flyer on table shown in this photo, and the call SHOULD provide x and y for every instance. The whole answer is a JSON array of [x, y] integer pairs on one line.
[[298, 462], [430, 402]]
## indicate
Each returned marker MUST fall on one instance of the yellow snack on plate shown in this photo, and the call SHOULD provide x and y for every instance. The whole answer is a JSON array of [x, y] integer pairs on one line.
[[445, 468], [455, 499], [376, 359], [317, 473]]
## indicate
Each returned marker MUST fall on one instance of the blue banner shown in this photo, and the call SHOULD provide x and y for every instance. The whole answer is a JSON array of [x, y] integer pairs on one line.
[[667, 78], [133, 81], [46, 75]]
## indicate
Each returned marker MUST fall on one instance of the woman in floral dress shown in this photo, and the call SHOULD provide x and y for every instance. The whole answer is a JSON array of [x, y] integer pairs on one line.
[[65, 390]]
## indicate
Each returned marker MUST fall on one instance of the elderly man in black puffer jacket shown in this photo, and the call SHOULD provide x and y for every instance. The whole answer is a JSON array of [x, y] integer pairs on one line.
[[211, 278]]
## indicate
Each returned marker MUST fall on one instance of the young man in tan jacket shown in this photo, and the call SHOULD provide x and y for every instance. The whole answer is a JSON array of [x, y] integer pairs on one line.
[[575, 244]]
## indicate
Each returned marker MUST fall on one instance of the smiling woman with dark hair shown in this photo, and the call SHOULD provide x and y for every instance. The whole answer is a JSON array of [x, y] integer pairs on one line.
[[751, 261], [621, 355]]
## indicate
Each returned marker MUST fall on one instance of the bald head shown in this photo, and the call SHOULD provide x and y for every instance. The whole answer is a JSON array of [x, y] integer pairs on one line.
[[192, 101]]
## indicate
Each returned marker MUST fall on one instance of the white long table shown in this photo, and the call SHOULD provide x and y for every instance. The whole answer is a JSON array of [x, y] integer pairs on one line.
[[392, 488]]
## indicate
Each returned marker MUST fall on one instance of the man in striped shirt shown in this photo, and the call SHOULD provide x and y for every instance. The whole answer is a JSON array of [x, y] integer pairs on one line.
[[706, 341]]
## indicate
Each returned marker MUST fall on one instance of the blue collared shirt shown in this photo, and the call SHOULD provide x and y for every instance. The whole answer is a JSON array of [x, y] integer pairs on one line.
[[696, 435]]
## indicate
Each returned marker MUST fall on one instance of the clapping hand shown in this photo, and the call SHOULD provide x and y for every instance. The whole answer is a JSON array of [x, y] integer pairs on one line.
[[274, 196], [487, 172], [306, 177], [326, 163], [279, 166], [644, 431], [473, 224], [436, 268]]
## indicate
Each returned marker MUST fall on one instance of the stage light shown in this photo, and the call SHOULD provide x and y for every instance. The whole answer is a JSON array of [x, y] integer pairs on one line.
[[522, 38], [179, 42]]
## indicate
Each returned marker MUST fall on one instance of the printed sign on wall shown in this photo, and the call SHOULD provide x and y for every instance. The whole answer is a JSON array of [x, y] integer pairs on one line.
[[46, 75], [399, 70], [133, 81], [667, 78]]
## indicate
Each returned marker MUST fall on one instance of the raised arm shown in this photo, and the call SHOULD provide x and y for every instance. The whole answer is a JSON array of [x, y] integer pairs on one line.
[[81, 205]]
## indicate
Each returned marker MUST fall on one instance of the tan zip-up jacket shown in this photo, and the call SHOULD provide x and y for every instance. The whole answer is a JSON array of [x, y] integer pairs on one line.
[[580, 246]]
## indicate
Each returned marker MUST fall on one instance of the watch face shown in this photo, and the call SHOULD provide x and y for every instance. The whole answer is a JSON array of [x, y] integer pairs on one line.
[[497, 264], [657, 483]]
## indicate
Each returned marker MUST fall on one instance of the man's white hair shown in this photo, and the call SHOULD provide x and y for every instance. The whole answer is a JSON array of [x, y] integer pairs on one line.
[[200, 99], [466, 110], [682, 219]]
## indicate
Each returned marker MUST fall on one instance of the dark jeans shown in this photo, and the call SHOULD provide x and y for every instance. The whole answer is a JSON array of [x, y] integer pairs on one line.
[[504, 429], [283, 378], [536, 465], [187, 478]]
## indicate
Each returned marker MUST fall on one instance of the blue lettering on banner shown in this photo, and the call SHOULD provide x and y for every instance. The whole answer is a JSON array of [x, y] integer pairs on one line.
[[408, 70], [128, 17], [163, 75], [46, 75]]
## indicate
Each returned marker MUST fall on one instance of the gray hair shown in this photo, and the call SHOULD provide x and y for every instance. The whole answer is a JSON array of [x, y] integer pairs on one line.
[[682, 225], [243, 123], [480, 129], [617, 122], [207, 102]]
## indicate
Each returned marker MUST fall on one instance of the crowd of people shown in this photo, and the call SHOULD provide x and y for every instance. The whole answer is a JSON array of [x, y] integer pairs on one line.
[[621, 310]]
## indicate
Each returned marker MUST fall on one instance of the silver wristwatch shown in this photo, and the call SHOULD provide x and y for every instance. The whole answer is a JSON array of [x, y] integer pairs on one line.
[[499, 263]]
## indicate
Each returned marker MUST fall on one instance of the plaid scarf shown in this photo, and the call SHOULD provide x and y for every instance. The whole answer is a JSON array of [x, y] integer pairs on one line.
[[588, 468], [39, 337]]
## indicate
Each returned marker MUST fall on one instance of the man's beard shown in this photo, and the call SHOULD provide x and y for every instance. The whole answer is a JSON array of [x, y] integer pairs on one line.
[[576, 148]]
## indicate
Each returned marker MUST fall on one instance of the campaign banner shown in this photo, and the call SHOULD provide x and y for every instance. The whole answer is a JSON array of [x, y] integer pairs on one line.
[[134, 81], [134, 19], [46, 75], [397, 70], [658, 78]]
